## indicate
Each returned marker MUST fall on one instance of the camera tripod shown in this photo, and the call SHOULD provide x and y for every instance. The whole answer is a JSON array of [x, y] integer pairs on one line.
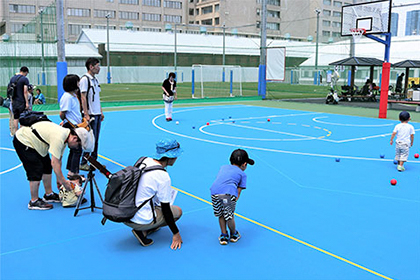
[[91, 181]]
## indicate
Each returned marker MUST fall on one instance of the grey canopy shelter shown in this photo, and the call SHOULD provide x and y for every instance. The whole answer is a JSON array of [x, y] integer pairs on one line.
[[359, 61], [407, 64]]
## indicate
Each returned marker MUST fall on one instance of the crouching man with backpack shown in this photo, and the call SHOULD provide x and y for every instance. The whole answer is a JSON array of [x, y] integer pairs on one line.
[[157, 184], [33, 145]]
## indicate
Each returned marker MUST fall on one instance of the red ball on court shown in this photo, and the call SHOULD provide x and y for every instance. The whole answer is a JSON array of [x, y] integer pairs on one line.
[[393, 182], [268, 120], [208, 123], [416, 155]]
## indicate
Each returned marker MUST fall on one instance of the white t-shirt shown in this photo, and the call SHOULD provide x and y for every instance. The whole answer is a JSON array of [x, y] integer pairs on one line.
[[404, 132], [152, 183], [71, 105], [93, 96]]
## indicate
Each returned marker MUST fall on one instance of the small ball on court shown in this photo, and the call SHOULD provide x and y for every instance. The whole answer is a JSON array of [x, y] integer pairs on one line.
[[382, 156], [223, 119], [416, 155], [393, 182], [395, 161], [177, 122], [230, 117], [337, 159], [268, 120], [233, 121], [193, 127], [208, 123]]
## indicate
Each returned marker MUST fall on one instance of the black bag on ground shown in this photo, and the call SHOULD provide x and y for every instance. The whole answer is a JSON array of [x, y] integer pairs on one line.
[[28, 118], [120, 194]]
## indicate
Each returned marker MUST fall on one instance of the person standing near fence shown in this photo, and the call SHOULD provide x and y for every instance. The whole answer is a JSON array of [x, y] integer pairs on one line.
[[91, 104], [20, 100], [169, 95]]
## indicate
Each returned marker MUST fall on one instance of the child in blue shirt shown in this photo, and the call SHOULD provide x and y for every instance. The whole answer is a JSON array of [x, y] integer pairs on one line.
[[225, 192]]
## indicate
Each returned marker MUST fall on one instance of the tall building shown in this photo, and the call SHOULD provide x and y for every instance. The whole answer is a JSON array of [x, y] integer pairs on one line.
[[299, 19], [146, 15]]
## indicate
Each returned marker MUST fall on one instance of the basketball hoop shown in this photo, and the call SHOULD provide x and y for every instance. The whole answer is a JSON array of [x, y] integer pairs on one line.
[[357, 33]]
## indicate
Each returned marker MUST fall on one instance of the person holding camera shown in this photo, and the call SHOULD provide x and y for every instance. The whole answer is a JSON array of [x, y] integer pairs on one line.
[[33, 146], [169, 95], [157, 184]]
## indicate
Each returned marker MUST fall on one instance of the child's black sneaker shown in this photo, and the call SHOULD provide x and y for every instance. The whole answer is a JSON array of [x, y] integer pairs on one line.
[[144, 241], [235, 237], [39, 204], [52, 197], [223, 239]]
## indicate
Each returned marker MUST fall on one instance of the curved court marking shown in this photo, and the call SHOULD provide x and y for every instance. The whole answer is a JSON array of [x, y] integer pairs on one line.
[[302, 137], [10, 169], [343, 124], [267, 149], [278, 232]]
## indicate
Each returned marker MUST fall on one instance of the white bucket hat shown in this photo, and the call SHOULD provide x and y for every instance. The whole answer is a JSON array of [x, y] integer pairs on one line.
[[87, 138]]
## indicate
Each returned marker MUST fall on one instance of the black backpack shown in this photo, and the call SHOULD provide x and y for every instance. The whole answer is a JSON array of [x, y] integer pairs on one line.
[[28, 118], [120, 194], [12, 87]]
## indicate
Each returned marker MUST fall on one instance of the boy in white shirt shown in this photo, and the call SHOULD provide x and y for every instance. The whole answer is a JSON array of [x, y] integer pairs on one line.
[[405, 138]]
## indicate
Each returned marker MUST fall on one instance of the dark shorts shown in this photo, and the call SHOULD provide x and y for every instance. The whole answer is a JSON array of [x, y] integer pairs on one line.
[[34, 164], [224, 205], [18, 108]]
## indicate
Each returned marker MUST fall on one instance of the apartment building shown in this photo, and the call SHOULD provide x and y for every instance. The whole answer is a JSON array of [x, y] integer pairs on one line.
[[146, 15], [295, 19]]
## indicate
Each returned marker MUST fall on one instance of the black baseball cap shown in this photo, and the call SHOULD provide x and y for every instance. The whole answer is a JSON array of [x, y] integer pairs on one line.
[[239, 157], [404, 116]]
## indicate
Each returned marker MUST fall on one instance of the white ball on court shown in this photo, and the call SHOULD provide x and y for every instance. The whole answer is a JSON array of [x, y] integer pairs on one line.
[[177, 122]]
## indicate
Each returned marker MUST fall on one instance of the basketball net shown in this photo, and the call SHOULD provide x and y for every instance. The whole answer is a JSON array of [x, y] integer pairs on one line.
[[357, 33]]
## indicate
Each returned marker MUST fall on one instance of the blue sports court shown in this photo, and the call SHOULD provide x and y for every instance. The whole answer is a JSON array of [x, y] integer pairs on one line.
[[319, 203]]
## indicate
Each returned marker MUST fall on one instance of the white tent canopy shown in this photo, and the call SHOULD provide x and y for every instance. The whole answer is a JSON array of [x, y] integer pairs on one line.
[[141, 41]]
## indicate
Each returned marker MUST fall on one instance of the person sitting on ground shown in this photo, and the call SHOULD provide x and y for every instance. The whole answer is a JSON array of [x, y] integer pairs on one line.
[[34, 155], [157, 183], [39, 98]]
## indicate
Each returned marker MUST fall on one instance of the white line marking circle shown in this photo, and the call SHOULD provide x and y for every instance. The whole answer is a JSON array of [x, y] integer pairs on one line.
[[10, 169]]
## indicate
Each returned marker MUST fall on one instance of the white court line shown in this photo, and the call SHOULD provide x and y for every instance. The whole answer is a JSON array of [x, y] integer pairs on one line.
[[343, 124], [10, 169], [304, 137], [266, 149]]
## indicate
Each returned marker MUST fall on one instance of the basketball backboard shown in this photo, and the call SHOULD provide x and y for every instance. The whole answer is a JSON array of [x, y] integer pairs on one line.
[[374, 17]]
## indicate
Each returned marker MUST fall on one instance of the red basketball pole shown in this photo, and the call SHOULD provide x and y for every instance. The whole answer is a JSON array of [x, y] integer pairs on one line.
[[383, 103]]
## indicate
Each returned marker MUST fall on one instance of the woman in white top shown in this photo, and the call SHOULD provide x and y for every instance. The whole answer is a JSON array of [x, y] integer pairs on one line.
[[71, 116]]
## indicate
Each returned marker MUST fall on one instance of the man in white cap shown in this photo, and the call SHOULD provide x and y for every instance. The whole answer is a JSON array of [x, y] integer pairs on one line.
[[33, 146], [157, 183]]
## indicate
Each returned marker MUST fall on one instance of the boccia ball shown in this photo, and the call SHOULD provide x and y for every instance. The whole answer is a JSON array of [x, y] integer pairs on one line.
[[177, 122], [382, 156], [395, 161], [268, 120], [208, 123], [393, 182], [337, 160], [416, 155]]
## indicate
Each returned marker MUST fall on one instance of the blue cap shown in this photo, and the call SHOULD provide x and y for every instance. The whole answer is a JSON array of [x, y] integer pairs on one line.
[[167, 147]]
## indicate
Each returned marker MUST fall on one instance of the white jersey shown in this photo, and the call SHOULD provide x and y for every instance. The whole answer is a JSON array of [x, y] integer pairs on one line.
[[93, 96], [152, 183], [404, 132]]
